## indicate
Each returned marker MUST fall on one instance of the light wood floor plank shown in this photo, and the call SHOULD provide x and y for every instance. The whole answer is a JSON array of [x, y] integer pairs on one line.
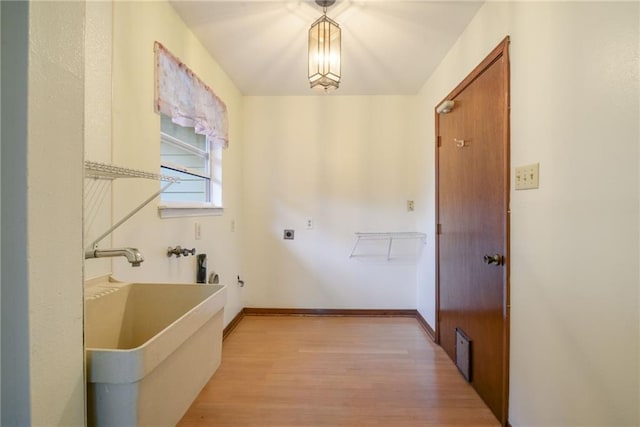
[[335, 371]]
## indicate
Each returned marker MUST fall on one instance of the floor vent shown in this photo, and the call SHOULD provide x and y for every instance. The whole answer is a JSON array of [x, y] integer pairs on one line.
[[463, 354]]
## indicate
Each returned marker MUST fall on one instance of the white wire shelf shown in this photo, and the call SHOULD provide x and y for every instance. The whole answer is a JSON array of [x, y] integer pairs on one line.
[[388, 235], [105, 171], [99, 186]]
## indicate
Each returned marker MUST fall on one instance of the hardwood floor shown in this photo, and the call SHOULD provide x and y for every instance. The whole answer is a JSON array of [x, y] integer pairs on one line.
[[335, 371]]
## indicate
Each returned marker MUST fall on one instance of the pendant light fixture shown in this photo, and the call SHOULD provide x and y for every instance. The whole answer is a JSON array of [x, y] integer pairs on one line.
[[324, 51]]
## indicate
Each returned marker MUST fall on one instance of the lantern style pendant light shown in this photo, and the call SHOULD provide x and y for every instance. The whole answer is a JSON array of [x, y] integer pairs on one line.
[[324, 51]]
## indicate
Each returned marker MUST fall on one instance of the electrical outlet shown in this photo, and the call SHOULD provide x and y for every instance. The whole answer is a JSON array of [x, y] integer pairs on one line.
[[527, 177], [309, 223], [198, 231], [411, 206]]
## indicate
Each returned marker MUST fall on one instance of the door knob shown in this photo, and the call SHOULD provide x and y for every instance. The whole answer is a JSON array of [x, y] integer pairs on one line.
[[495, 259]]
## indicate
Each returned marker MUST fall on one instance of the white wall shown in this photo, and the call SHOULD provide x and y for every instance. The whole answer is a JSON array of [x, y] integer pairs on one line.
[[42, 318], [97, 129], [135, 144], [54, 214], [575, 255], [342, 161]]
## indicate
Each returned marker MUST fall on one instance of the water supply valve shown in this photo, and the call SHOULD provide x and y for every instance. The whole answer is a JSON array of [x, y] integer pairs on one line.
[[178, 251]]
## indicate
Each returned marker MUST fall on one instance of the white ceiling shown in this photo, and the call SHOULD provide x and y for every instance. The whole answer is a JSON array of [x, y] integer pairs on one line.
[[388, 47]]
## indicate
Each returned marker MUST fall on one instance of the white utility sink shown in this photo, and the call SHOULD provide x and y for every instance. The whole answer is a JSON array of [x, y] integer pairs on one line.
[[150, 348]]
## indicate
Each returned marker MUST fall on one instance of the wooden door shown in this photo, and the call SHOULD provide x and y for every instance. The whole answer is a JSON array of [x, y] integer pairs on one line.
[[472, 212]]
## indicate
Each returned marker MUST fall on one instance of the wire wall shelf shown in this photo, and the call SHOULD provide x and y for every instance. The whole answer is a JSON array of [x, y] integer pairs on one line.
[[98, 178], [390, 236], [105, 171]]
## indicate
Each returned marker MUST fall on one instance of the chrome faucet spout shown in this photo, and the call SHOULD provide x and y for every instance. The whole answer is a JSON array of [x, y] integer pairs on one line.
[[131, 254]]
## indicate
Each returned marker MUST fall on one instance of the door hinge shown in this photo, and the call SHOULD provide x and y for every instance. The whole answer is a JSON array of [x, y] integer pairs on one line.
[[439, 229], [439, 141]]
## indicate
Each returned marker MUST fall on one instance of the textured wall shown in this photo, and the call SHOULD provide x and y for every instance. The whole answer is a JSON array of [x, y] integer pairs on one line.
[[54, 212], [97, 127], [343, 161], [135, 144]]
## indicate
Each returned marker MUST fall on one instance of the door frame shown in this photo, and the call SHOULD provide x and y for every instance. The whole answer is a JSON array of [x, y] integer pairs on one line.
[[500, 51]]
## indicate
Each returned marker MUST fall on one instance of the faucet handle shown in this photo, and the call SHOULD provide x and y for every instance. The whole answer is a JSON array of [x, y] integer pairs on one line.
[[186, 252], [177, 251]]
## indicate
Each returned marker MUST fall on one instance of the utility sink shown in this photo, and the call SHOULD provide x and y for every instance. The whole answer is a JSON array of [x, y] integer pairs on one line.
[[150, 348]]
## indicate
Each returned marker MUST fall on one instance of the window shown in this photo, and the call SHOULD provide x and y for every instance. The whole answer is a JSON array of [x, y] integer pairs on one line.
[[193, 133], [188, 156]]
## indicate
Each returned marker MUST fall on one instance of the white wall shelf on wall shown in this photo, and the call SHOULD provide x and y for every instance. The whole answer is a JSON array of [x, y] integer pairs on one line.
[[390, 236], [102, 172]]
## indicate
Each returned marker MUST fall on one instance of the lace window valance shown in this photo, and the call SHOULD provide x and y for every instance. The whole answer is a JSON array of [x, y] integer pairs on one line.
[[181, 95]]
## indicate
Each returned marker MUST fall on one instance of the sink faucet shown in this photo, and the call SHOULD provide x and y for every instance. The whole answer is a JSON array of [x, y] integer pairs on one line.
[[132, 254]]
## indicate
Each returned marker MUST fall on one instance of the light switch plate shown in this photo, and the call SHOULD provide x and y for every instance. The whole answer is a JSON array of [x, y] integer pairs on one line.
[[527, 177]]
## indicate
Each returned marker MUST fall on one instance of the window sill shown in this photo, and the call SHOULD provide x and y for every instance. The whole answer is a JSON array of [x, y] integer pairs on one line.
[[187, 211]]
